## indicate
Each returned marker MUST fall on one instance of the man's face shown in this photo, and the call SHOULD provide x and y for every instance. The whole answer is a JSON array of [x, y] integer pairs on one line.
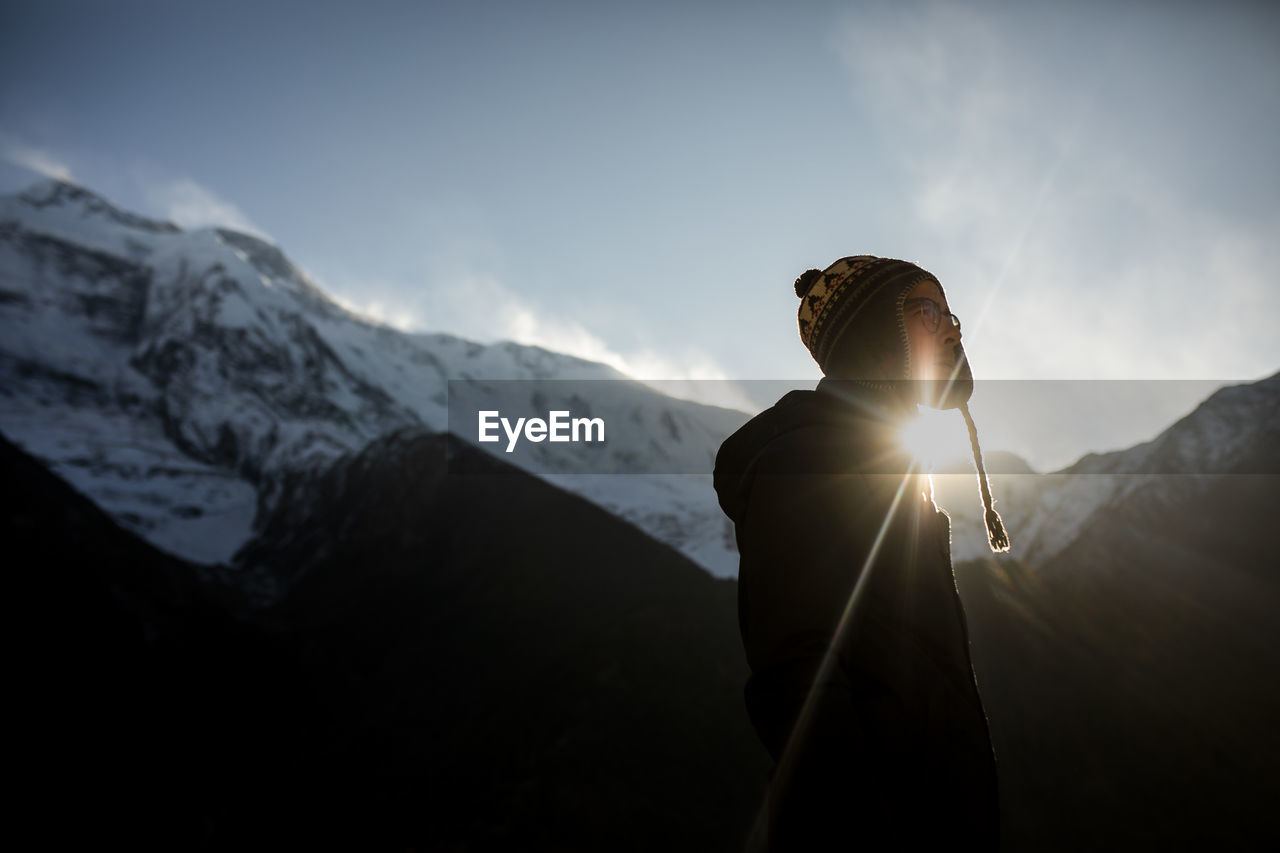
[[934, 341]]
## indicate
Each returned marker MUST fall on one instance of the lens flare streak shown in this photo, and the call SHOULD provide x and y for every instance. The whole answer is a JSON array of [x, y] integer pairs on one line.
[[828, 660]]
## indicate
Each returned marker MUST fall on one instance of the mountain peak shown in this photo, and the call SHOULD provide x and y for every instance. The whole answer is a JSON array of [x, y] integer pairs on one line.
[[262, 253], [55, 193]]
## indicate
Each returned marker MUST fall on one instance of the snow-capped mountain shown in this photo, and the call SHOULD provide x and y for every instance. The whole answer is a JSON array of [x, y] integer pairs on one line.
[[1236, 431], [175, 376], [179, 377]]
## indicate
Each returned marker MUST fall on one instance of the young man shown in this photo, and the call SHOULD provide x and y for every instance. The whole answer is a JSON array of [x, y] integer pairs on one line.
[[862, 688]]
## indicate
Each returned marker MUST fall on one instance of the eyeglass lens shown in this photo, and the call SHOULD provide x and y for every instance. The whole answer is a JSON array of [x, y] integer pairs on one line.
[[931, 314]]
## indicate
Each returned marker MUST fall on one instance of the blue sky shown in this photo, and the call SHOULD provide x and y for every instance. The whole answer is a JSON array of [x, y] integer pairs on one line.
[[1095, 183]]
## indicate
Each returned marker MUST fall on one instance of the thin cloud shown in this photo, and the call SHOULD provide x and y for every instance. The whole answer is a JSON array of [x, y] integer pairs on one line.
[[478, 306], [482, 309], [37, 160], [1072, 256], [191, 205], [380, 312]]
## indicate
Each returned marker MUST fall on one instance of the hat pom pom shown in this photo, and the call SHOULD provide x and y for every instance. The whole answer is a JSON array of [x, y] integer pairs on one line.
[[805, 281]]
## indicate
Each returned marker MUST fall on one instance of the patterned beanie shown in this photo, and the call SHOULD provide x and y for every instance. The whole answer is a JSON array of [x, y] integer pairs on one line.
[[832, 300], [853, 309]]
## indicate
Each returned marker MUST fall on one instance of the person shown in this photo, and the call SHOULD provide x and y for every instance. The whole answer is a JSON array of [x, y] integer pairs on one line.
[[861, 687]]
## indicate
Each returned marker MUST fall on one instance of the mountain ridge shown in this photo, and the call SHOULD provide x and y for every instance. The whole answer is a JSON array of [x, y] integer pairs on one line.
[[133, 346], [178, 377]]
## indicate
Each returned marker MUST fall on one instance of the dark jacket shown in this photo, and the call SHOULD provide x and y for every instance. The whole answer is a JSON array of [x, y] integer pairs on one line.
[[853, 625]]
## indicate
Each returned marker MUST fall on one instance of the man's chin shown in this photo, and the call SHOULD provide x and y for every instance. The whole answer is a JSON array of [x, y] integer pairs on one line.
[[949, 392], [941, 394]]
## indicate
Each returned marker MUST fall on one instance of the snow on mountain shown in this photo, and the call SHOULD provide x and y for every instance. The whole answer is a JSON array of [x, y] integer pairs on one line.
[[1236, 431], [176, 376]]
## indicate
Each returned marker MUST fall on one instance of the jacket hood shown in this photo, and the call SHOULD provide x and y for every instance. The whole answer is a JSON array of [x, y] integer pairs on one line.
[[861, 417]]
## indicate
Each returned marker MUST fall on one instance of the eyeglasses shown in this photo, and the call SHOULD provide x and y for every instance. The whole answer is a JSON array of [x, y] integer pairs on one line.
[[931, 313]]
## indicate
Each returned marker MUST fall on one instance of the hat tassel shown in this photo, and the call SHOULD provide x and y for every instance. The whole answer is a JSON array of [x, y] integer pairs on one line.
[[996, 535]]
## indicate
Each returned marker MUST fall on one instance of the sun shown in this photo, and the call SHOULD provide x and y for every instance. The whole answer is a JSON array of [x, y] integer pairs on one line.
[[936, 438]]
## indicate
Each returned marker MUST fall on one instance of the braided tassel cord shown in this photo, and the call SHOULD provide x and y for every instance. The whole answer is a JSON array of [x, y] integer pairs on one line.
[[996, 534]]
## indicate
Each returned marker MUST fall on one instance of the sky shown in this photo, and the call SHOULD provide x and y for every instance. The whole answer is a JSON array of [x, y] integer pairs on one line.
[[1095, 184]]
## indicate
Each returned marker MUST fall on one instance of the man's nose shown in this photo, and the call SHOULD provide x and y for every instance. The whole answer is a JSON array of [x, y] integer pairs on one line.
[[950, 332]]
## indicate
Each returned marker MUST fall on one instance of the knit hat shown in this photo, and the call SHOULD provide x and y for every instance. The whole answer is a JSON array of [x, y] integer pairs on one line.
[[851, 321], [833, 300]]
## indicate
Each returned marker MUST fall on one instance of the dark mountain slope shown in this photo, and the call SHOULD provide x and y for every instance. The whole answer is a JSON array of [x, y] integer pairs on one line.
[[469, 661], [1131, 681], [141, 711], [516, 667]]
